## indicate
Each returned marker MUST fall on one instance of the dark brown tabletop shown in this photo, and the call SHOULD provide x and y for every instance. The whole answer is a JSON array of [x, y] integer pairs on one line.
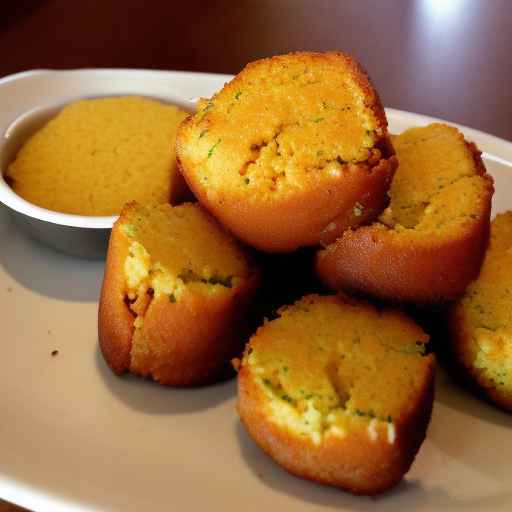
[[445, 58]]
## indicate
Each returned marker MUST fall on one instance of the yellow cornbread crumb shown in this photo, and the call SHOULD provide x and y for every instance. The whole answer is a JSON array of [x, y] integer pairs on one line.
[[428, 244], [329, 368], [437, 184], [173, 248], [98, 154], [281, 123], [487, 310]]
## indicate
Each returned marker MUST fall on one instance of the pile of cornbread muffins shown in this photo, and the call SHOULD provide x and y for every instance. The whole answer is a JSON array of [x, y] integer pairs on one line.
[[294, 173]]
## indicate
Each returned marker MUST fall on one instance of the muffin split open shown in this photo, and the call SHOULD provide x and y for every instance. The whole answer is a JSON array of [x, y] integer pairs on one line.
[[175, 295], [428, 244], [337, 391]]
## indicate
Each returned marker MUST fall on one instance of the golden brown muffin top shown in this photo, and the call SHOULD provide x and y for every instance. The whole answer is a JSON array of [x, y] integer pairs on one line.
[[282, 124], [439, 182], [98, 154], [337, 361]]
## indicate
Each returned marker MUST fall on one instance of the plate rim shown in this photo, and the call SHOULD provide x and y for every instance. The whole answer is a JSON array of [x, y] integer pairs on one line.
[[39, 498]]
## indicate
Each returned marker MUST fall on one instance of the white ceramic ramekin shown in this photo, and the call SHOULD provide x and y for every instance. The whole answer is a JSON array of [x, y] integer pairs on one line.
[[30, 99]]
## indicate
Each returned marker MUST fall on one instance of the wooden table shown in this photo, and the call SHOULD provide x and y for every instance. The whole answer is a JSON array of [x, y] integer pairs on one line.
[[446, 58]]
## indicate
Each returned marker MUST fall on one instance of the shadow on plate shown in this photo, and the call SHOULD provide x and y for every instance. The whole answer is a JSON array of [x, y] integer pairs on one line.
[[451, 392], [407, 495], [472, 431], [149, 397], [453, 386], [44, 270]]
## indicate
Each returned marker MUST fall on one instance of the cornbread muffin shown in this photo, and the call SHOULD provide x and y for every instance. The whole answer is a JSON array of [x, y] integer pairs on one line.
[[175, 295], [98, 154], [429, 243], [338, 392], [291, 152], [481, 321]]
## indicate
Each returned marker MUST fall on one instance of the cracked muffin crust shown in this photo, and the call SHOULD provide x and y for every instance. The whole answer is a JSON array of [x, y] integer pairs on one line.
[[338, 392], [175, 297], [481, 321], [291, 152], [429, 243]]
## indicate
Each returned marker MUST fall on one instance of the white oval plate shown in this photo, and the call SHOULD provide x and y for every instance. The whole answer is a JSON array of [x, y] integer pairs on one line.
[[74, 437]]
